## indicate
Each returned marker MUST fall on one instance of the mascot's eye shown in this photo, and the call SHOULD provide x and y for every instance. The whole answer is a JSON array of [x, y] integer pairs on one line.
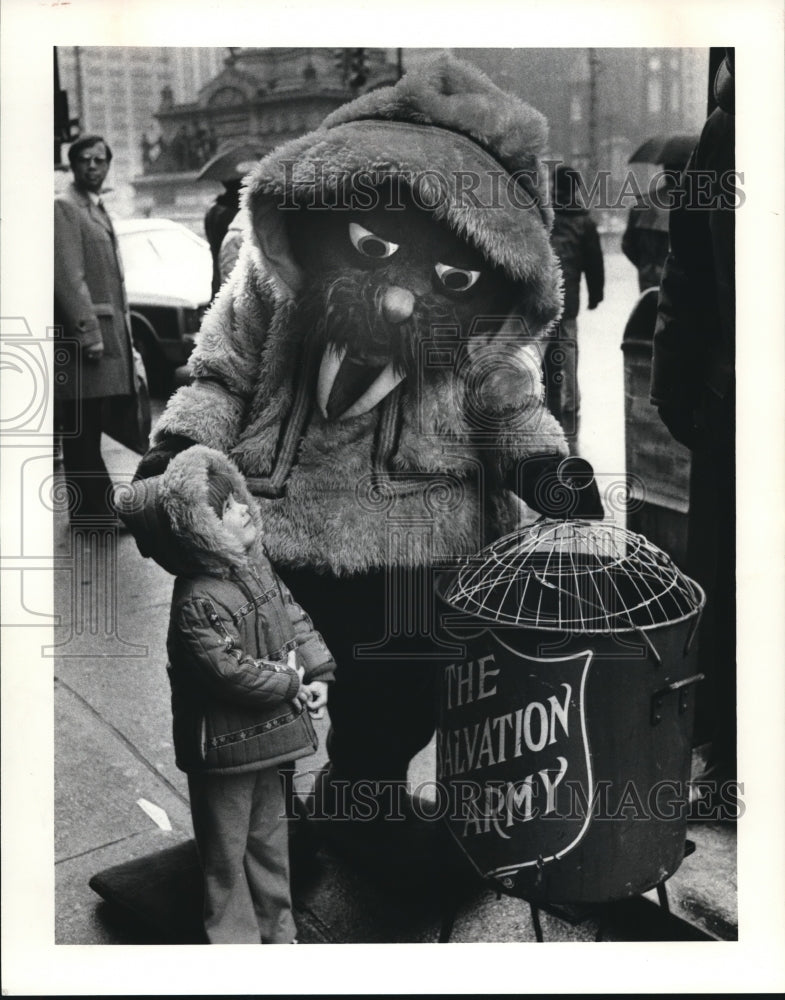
[[456, 278], [370, 245]]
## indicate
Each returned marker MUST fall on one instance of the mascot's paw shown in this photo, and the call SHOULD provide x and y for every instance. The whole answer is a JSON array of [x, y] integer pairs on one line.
[[157, 458], [559, 487]]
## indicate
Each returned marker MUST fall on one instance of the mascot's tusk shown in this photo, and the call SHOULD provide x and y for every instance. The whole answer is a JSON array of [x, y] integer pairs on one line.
[[331, 362], [382, 387]]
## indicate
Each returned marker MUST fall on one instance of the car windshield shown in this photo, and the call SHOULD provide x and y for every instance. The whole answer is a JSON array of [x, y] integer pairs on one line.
[[153, 248]]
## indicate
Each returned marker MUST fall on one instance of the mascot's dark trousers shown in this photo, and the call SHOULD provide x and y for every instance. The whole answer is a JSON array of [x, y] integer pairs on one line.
[[382, 704]]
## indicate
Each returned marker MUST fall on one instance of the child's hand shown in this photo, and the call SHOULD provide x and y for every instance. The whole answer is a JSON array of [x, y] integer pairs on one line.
[[317, 698], [302, 697]]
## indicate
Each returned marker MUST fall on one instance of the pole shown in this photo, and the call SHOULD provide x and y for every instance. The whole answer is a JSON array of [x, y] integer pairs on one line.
[[594, 63], [83, 124], [58, 106]]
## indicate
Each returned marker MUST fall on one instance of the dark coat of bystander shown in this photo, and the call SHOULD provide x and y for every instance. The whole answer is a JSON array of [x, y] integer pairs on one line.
[[90, 301]]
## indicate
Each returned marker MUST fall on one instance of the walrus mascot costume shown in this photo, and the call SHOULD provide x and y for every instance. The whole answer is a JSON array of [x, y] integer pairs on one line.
[[373, 367]]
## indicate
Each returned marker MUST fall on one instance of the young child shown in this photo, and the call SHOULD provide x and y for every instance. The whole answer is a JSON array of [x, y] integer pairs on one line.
[[244, 663]]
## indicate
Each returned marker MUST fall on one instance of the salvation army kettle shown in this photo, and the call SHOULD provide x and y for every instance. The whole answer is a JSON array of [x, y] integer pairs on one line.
[[565, 731]]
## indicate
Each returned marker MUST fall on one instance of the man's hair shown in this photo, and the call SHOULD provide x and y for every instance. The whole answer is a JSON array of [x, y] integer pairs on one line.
[[86, 142]]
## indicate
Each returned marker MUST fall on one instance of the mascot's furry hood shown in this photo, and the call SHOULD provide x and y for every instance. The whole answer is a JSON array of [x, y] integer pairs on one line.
[[172, 521], [464, 147]]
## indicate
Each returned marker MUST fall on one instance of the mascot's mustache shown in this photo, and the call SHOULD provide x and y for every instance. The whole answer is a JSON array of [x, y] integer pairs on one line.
[[364, 355]]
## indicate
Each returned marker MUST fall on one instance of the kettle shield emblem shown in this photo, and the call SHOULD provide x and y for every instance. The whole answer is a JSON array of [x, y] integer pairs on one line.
[[513, 757]]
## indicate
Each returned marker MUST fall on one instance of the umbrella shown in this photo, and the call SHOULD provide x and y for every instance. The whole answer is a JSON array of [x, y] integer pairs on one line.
[[673, 150], [232, 163]]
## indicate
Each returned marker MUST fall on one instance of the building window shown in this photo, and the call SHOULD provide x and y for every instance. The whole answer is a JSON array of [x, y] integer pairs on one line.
[[576, 113]]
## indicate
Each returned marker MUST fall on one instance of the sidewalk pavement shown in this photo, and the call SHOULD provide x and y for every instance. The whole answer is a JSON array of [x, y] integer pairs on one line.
[[118, 795]]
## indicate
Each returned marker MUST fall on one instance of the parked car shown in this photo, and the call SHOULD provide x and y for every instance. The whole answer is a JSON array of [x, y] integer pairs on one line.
[[168, 274]]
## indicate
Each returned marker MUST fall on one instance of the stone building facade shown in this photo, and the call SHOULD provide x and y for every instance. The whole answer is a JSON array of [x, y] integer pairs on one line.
[[266, 96]]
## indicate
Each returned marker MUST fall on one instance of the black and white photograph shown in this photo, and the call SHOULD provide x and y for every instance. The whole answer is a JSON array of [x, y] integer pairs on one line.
[[392, 532]]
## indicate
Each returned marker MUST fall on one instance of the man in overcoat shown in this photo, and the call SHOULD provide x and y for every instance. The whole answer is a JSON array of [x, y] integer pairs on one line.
[[693, 386], [93, 355]]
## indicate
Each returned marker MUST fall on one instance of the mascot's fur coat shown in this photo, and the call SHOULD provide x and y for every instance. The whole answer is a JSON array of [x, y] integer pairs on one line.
[[335, 508]]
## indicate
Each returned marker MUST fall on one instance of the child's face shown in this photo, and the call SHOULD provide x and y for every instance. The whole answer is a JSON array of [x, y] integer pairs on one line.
[[237, 519]]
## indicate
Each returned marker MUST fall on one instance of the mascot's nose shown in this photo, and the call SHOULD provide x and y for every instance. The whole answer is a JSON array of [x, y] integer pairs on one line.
[[397, 304]]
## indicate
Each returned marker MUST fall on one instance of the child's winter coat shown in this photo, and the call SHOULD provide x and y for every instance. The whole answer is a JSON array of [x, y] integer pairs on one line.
[[232, 624]]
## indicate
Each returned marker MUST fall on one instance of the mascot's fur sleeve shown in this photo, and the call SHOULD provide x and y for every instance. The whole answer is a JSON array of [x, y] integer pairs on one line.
[[441, 449]]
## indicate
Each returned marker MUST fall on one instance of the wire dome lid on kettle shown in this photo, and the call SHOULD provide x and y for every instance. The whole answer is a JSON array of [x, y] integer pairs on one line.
[[574, 576]]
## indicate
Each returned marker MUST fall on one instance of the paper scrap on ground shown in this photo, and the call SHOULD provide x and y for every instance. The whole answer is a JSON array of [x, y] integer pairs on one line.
[[156, 814]]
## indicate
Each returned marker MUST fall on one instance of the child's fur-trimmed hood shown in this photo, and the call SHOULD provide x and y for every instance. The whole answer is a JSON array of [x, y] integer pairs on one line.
[[461, 144], [172, 521]]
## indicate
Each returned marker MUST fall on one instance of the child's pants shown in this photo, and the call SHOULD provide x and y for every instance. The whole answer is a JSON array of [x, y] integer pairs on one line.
[[241, 831]]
